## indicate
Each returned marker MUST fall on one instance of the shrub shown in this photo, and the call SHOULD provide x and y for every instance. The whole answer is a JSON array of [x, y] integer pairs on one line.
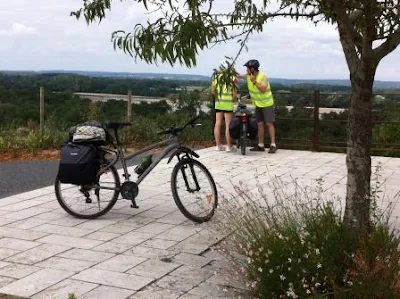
[[294, 244]]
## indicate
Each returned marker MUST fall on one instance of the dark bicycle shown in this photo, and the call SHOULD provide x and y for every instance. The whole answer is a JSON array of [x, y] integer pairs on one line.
[[241, 127], [189, 176]]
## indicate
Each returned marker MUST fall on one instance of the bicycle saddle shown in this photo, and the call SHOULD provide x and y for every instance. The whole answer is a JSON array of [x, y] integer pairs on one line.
[[116, 124]]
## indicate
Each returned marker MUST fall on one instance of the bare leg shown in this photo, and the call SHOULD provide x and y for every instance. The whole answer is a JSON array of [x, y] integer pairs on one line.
[[217, 127], [271, 131], [260, 132], [228, 118]]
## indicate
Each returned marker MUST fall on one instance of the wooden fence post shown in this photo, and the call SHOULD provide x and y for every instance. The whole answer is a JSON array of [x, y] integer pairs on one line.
[[316, 120], [41, 104], [129, 107]]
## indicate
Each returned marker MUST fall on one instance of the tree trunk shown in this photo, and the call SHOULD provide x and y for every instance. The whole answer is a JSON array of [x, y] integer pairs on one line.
[[359, 139]]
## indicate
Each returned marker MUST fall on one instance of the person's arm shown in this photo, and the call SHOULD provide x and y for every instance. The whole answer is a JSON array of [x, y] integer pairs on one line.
[[241, 76], [262, 86]]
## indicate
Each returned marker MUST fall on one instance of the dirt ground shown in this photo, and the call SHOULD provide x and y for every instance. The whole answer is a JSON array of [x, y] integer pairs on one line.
[[53, 154]]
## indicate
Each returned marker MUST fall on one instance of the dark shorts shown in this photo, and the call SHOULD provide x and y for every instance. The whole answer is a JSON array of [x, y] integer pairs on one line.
[[266, 115], [224, 111]]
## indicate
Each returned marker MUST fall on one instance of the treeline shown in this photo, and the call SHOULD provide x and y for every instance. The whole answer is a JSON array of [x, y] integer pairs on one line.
[[19, 107], [79, 83]]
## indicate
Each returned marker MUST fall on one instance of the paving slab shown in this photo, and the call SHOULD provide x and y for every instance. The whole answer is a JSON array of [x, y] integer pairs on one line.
[[153, 251]]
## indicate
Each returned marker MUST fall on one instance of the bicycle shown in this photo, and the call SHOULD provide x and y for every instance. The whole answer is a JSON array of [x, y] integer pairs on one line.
[[129, 189], [243, 114]]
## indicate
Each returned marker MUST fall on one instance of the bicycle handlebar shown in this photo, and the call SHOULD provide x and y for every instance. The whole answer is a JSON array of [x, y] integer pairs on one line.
[[176, 130]]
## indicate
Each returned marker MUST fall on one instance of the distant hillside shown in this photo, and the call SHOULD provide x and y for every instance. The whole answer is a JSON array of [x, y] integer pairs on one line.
[[180, 77], [337, 82], [191, 77]]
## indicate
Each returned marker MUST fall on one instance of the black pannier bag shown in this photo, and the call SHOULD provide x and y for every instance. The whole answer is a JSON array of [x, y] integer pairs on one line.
[[79, 164], [234, 128], [252, 128]]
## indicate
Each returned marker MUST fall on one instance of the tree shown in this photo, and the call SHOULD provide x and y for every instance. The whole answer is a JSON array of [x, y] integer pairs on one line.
[[178, 35]]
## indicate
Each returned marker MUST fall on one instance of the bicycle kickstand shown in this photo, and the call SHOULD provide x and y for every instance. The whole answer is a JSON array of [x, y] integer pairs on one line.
[[134, 205]]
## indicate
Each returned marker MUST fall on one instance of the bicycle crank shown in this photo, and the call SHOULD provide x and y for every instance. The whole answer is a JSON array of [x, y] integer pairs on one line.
[[129, 190]]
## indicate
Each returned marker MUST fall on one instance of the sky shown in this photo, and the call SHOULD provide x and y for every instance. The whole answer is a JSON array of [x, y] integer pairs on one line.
[[41, 35]]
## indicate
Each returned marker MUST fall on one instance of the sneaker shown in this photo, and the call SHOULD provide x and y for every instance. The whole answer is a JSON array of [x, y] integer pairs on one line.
[[272, 149], [219, 148], [230, 149], [257, 149]]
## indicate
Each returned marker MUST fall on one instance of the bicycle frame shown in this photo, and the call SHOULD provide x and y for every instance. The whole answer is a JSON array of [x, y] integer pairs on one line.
[[170, 145]]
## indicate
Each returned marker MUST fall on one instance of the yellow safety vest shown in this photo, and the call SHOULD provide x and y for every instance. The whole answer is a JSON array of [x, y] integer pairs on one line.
[[223, 97], [260, 99]]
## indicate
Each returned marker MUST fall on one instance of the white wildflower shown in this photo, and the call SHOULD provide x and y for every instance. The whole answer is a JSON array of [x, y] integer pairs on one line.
[[317, 251], [308, 291], [291, 293], [260, 269], [271, 271], [289, 260], [319, 266], [282, 277]]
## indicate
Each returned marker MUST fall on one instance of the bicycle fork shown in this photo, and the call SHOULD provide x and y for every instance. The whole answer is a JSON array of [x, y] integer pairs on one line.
[[189, 189]]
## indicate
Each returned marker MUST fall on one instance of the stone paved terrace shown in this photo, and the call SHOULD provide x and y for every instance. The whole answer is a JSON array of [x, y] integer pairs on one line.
[[152, 252]]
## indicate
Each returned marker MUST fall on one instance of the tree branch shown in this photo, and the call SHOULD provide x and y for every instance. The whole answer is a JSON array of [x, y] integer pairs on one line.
[[217, 41], [349, 37], [389, 45], [355, 15]]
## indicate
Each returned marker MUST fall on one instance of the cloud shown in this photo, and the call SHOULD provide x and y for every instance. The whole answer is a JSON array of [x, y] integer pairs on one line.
[[52, 39], [18, 29]]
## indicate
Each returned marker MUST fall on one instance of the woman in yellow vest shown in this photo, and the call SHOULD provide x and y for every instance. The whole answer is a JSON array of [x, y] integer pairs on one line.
[[224, 104], [261, 95]]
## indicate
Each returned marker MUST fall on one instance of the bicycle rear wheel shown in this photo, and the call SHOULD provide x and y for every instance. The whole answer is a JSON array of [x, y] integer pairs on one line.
[[243, 139], [196, 181], [86, 202]]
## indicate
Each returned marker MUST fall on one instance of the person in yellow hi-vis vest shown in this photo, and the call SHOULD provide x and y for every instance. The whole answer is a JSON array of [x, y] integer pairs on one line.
[[261, 95], [224, 104]]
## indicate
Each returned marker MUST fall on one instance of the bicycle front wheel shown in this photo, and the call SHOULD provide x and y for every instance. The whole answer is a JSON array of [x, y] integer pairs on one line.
[[194, 190], [89, 202]]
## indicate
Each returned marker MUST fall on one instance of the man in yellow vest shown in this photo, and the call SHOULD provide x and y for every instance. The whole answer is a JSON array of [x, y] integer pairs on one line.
[[224, 104], [261, 95]]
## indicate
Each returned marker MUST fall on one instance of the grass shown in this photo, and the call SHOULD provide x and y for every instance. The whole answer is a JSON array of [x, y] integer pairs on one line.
[[143, 131]]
